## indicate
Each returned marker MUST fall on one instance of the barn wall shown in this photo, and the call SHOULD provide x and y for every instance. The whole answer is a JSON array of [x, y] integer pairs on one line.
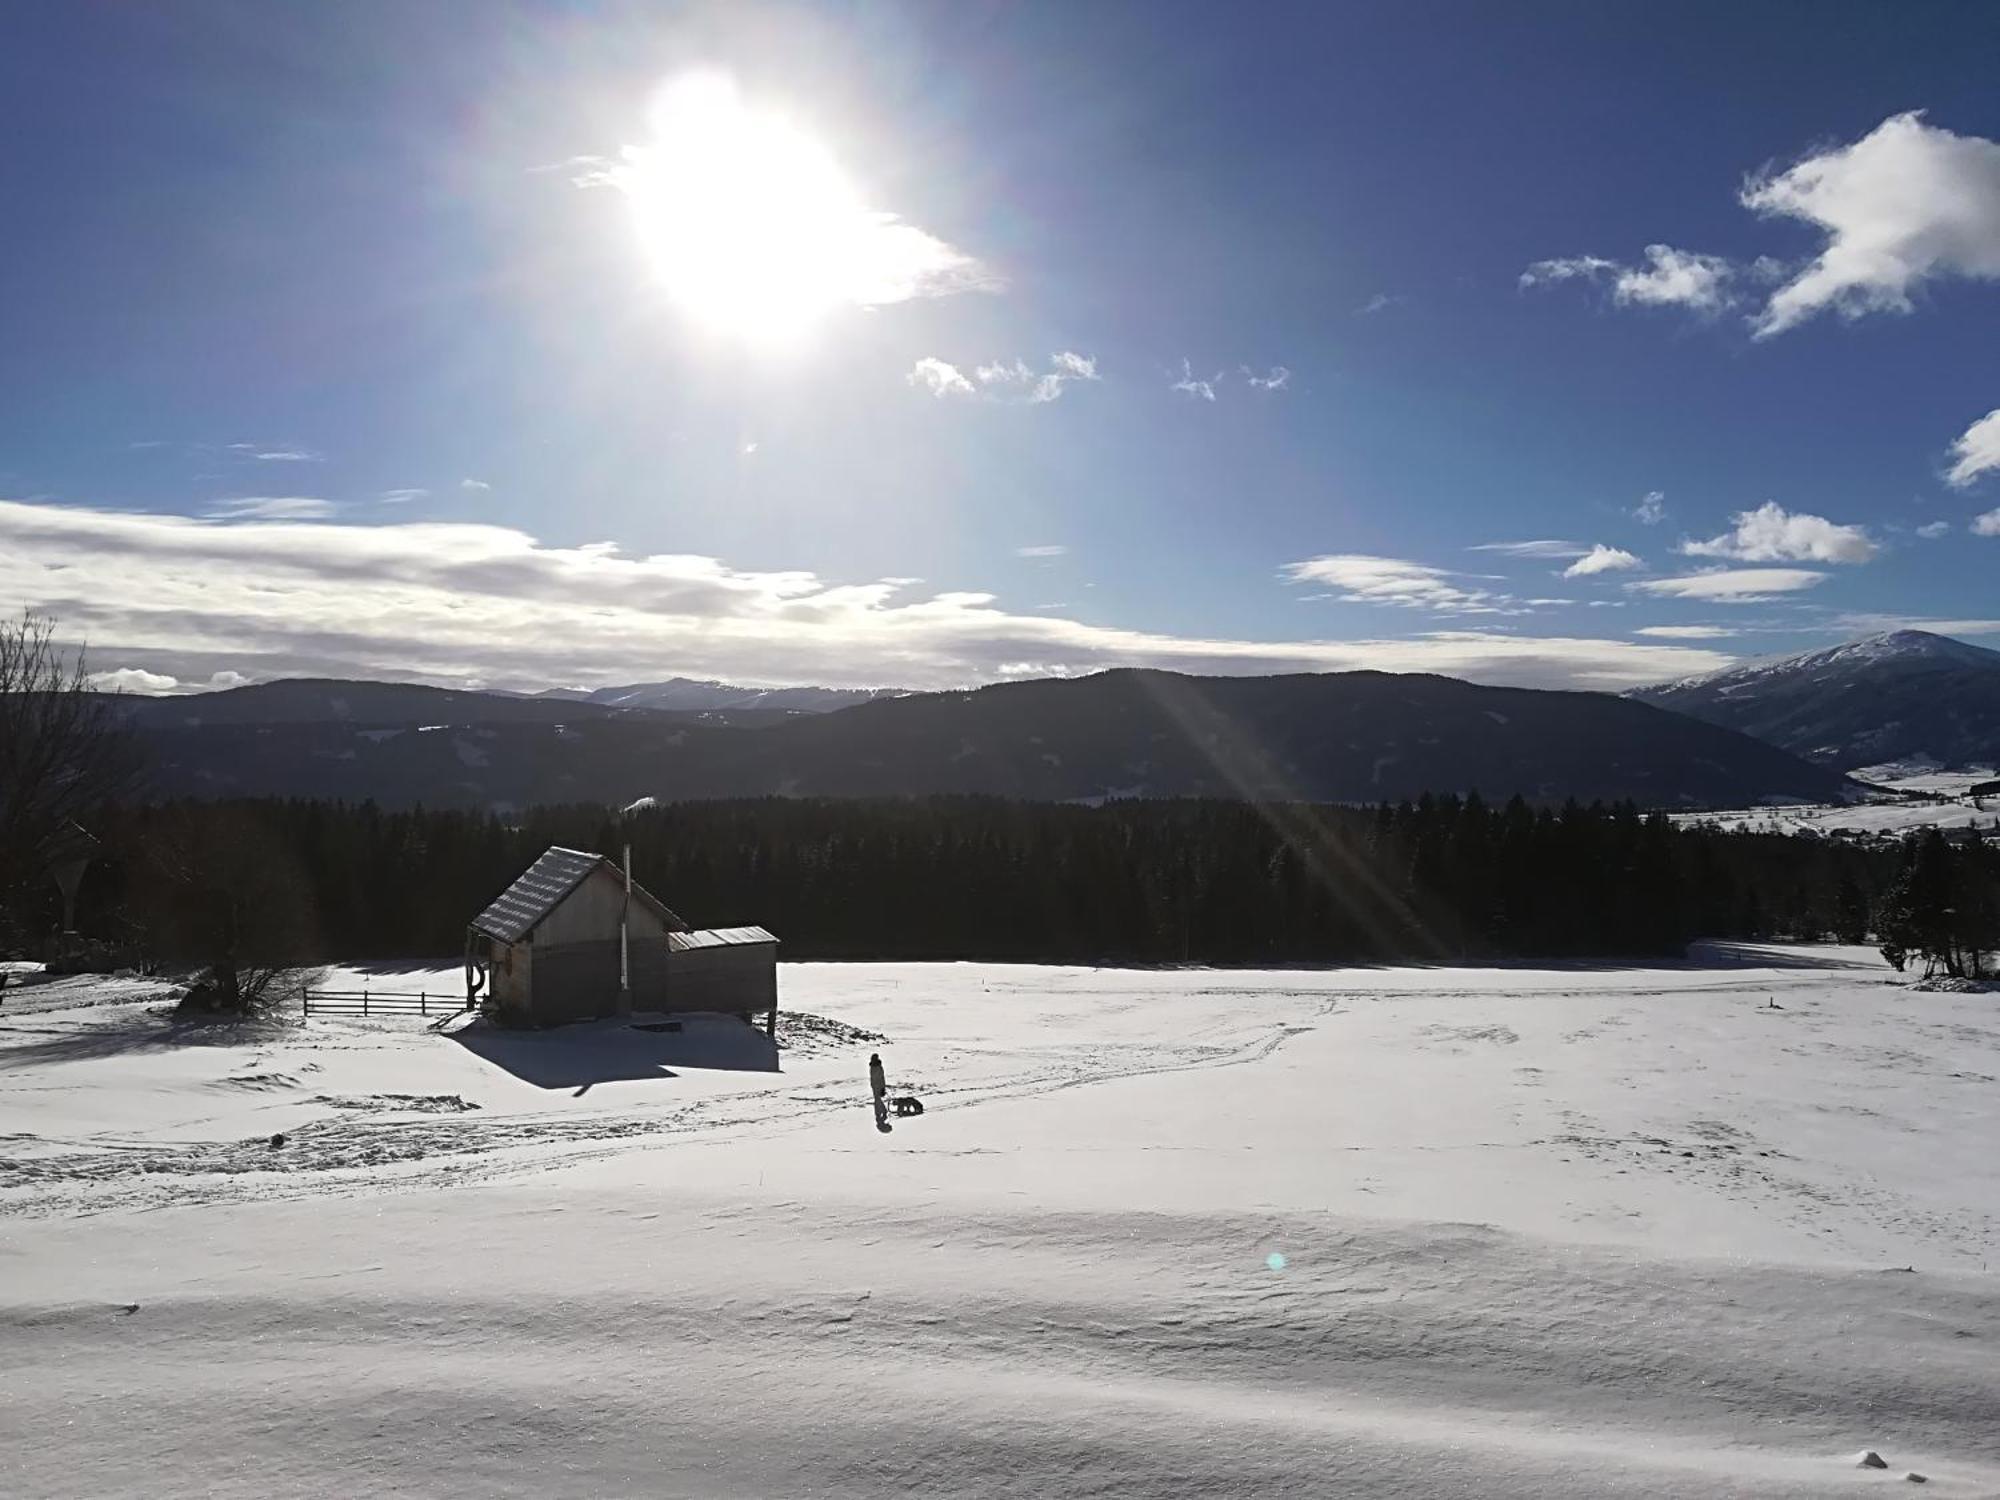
[[509, 969], [574, 982], [590, 913], [742, 978]]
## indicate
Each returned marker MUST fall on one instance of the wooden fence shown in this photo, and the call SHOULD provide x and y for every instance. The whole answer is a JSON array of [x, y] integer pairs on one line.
[[381, 1003]]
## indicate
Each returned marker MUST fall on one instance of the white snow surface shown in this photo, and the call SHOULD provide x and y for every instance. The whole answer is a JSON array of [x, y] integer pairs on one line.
[[1591, 1230]]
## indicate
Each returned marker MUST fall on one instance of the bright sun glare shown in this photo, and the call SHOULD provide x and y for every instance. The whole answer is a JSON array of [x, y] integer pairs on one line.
[[754, 229]]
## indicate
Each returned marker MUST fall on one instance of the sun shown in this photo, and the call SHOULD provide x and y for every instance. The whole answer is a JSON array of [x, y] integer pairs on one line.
[[753, 228]]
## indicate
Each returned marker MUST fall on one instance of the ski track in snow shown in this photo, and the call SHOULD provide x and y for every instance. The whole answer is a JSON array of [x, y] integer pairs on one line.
[[1587, 1231]]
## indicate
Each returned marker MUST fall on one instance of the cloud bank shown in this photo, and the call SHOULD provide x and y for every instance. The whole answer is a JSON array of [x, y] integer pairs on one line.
[[475, 605]]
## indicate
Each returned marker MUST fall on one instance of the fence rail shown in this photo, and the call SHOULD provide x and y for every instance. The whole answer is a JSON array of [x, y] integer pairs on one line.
[[383, 1003]]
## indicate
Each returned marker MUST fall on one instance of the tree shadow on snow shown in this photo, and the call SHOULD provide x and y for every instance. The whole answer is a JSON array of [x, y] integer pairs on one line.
[[119, 1031], [593, 1052]]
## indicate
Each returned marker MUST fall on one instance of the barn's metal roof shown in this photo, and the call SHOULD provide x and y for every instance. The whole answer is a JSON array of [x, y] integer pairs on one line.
[[718, 937], [544, 886]]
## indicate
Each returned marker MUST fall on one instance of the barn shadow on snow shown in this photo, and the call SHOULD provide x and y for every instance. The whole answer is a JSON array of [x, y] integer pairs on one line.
[[593, 1052]]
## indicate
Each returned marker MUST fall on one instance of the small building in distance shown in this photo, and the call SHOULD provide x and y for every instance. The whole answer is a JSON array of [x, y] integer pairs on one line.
[[546, 952]]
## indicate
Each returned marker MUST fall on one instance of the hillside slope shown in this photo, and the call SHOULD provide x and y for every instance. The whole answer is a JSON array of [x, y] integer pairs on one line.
[[1343, 737]]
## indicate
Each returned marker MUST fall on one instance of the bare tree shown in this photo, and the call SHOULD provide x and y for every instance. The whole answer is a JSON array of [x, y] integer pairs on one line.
[[221, 889], [62, 753]]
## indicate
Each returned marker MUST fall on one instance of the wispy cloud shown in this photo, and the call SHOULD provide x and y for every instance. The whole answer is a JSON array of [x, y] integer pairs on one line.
[[1544, 547], [1013, 379], [1871, 624], [1668, 278], [1987, 524], [1361, 579], [1684, 632], [1051, 549], [1906, 204], [1651, 509], [474, 484], [1380, 302], [1278, 378], [1734, 585], [1976, 452], [1772, 534], [1201, 390], [1602, 559], [403, 497], [273, 508], [471, 603], [938, 377], [1930, 531], [277, 455], [1565, 268]]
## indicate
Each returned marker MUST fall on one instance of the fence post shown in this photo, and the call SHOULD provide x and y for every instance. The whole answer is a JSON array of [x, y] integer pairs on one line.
[[364, 1000]]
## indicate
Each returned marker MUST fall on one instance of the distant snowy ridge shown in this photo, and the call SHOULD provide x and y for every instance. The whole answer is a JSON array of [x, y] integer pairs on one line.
[[1899, 696]]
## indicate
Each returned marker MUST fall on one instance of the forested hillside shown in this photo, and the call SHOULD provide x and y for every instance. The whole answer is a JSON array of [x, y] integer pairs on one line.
[[1210, 881]]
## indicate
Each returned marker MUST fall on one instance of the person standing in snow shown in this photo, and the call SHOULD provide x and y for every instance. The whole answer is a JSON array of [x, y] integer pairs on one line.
[[878, 1082]]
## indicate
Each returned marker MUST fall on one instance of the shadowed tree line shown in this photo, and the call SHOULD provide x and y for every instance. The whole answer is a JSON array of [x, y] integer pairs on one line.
[[1443, 878]]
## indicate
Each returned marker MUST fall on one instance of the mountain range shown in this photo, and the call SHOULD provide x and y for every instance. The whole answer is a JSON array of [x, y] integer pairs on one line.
[[689, 694], [1904, 695], [1336, 737]]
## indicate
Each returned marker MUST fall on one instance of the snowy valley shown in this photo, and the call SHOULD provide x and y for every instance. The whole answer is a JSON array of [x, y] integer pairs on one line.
[[1703, 1228]]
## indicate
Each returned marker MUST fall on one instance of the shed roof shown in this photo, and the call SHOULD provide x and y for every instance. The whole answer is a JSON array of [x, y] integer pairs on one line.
[[544, 886], [718, 937]]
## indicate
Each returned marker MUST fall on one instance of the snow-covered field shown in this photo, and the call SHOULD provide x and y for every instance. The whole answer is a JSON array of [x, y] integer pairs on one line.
[[1588, 1231], [1946, 803]]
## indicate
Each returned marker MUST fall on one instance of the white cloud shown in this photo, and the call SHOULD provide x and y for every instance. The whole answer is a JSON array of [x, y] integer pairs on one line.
[[1734, 585], [1277, 380], [938, 377], [220, 681], [1541, 547], [1669, 278], [1987, 524], [1676, 278], [1065, 366], [467, 603], [1905, 204], [1359, 579], [1651, 509], [1054, 549], [1012, 372], [1380, 302], [133, 680], [1567, 268], [273, 508], [474, 484], [1930, 531], [1976, 452], [1685, 632], [1602, 559], [403, 496], [1771, 534]]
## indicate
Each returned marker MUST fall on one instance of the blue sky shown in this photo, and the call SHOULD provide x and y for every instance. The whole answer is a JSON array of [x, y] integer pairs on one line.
[[353, 339]]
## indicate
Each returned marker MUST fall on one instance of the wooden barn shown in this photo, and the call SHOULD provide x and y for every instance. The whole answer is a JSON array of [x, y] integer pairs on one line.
[[574, 939]]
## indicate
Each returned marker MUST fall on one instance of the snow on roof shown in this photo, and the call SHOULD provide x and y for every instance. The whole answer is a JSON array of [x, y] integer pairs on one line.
[[718, 937], [544, 886]]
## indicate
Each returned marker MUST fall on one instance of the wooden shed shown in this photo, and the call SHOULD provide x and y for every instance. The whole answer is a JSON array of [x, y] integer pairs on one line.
[[573, 940]]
